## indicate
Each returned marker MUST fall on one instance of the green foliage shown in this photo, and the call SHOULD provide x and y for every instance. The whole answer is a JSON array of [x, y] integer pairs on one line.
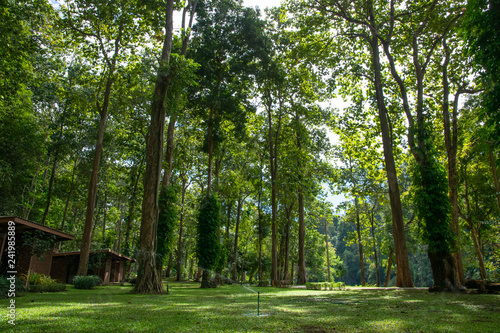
[[47, 288], [40, 242], [166, 223], [86, 282], [430, 197], [5, 286], [34, 278], [482, 30], [325, 286], [207, 233]]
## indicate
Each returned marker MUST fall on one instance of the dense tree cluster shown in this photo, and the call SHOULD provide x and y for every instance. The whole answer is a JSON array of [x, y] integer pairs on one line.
[[212, 150]]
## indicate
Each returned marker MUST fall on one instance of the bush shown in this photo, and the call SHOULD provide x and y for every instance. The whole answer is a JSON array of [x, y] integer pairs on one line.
[[43, 288], [86, 282], [34, 278], [321, 285], [5, 285]]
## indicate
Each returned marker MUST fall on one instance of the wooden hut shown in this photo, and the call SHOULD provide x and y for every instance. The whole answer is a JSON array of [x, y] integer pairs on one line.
[[23, 257], [109, 265]]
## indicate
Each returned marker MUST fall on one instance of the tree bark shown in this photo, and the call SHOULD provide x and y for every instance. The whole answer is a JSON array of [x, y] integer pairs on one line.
[[403, 274], [49, 191], [148, 279], [92, 192], [495, 175], [287, 242], [327, 250], [388, 272], [181, 222], [235, 253], [377, 273], [360, 244], [131, 208], [451, 141]]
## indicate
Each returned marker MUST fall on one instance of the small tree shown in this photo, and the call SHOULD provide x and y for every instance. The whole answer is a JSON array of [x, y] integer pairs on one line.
[[207, 245]]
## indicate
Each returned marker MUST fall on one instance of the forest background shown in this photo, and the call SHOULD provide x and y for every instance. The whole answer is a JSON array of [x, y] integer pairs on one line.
[[251, 106]]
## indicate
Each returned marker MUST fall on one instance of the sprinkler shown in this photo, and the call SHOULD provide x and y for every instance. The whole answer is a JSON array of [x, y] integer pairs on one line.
[[258, 303]]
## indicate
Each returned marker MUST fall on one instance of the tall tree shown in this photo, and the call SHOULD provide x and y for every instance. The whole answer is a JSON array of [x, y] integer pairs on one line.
[[103, 31], [360, 21], [148, 279]]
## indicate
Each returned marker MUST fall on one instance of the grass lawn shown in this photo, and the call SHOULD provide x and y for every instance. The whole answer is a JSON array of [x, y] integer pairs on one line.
[[233, 309]]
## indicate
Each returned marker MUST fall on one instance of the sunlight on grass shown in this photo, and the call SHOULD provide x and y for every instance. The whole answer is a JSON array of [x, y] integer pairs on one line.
[[233, 309]]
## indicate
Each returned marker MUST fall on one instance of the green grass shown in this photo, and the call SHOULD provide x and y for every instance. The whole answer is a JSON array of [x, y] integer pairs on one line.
[[233, 308]]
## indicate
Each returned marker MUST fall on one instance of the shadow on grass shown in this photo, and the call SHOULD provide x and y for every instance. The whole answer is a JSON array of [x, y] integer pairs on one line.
[[229, 309]]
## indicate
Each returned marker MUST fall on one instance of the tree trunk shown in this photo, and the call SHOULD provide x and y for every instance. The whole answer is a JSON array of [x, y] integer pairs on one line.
[[287, 242], [495, 175], [479, 254], [92, 192], [327, 250], [210, 150], [273, 139], [131, 209], [169, 264], [235, 253], [51, 183], [388, 272], [451, 142], [148, 280], [66, 205], [104, 216], [302, 272], [403, 274], [181, 222], [360, 244], [169, 151], [377, 273]]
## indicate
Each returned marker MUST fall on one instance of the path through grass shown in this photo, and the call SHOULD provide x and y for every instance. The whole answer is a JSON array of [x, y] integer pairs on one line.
[[233, 309]]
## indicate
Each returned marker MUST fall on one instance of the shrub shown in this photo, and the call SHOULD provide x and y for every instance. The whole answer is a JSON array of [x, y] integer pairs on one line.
[[41, 288], [339, 285], [34, 278], [5, 285], [86, 282], [321, 285], [314, 285]]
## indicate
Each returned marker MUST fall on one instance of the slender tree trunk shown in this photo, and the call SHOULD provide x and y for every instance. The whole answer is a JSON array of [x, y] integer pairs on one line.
[[403, 274], [210, 150], [273, 137], [327, 251], [451, 141], [148, 279], [170, 263], [228, 223], [479, 254], [66, 205], [302, 272], [377, 273], [181, 222], [235, 253], [495, 175], [131, 209], [49, 191], [287, 242], [360, 244], [104, 216], [92, 192], [388, 272]]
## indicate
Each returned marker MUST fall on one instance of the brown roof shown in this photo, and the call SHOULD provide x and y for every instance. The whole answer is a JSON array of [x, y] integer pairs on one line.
[[23, 225], [74, 253]]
